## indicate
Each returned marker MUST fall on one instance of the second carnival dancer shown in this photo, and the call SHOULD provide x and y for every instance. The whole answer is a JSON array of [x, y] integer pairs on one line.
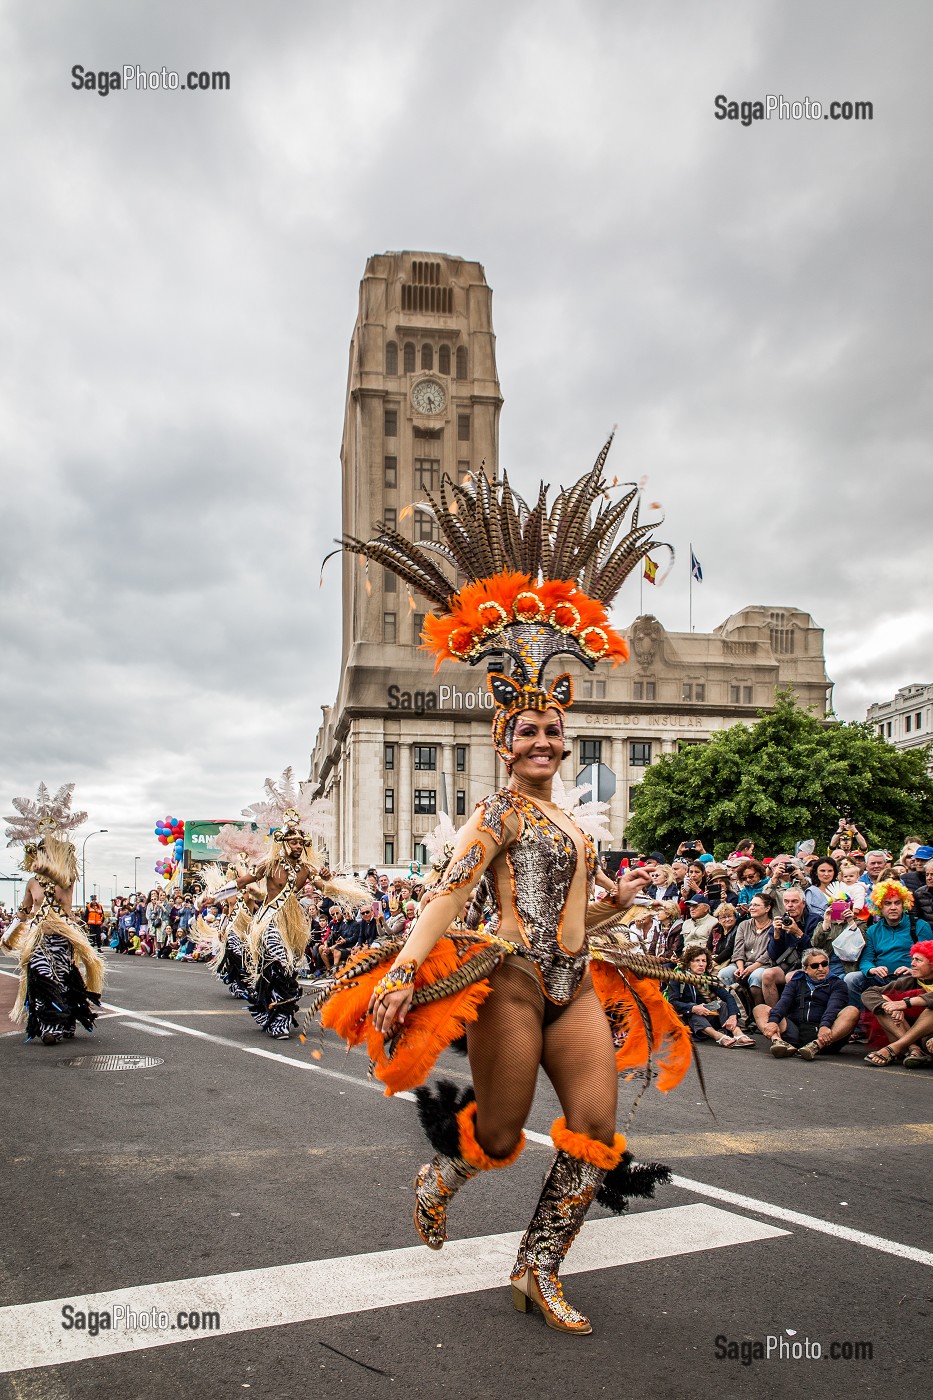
[[545, 984], [243, 848], [61, 974], [278, 932]]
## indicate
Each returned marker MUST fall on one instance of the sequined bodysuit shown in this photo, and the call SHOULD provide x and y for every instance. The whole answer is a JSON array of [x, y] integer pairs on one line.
[[541, 862]]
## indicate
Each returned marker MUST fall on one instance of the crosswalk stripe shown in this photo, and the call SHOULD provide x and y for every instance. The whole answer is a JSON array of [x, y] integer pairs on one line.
[[32, 1334]]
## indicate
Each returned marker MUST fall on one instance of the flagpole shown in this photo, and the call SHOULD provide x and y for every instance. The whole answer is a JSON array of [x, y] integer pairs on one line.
[[641, 591], [690, 587]]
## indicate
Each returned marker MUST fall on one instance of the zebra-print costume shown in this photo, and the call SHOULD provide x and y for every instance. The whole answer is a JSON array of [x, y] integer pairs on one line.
[[230, 969], [273, 1000], [56, 997]]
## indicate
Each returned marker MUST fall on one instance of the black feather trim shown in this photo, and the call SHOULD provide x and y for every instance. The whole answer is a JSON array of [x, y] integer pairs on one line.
[[437, 1110], [460, 1046], [631, 1179]]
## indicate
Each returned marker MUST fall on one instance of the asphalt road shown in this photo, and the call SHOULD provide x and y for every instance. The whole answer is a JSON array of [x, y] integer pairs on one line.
[[263, 1178]]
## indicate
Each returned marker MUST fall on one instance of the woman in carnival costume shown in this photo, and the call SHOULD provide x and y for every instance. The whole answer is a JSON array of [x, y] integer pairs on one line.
[[277, 935], [547, 983], [61, 973]]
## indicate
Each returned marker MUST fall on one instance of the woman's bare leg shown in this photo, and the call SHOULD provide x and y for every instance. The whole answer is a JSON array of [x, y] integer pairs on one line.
[[504, 1046]]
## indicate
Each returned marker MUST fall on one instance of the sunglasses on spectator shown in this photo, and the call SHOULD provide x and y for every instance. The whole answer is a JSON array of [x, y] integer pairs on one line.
[[813, 963]]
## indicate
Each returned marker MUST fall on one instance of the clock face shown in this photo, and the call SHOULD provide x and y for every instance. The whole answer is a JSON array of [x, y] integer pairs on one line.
[[428, 396]]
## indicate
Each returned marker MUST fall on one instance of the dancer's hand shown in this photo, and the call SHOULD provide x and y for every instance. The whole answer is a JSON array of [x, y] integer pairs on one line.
[[631, 884], [389, 1012]]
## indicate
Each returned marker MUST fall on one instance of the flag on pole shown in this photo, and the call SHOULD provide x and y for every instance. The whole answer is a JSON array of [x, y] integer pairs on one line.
[[651, 569], [695, 569]]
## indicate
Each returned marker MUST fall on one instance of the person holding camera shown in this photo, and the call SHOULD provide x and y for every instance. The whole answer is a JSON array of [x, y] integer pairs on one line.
[[790, 938], [845, 837]]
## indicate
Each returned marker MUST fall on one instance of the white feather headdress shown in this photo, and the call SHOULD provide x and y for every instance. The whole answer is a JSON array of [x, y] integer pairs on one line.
[[33, 819], [590, 817], [284, 795]]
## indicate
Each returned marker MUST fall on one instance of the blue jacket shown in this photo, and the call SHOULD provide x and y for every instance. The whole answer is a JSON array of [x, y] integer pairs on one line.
[[747, 892], [819, 1005], [890, 947]]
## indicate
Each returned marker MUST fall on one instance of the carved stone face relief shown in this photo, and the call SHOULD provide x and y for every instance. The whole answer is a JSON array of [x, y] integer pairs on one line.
[[646, 639]]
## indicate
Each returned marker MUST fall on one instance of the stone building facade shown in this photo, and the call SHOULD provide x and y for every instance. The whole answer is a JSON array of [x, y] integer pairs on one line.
[[907, 720], [401, 743]]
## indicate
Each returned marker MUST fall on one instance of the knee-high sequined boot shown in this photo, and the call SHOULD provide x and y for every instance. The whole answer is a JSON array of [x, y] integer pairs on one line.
[[441, 1178], [570, 1187]]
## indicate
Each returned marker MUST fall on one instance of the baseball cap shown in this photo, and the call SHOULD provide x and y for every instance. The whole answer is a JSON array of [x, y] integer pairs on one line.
[[699, 899]]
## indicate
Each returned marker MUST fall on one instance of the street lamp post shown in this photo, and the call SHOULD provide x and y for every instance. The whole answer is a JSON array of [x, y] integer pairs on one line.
[[101, 832], [136, 860]]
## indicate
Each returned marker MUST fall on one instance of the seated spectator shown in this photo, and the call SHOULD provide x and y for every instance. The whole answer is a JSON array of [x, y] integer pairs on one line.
[[667, 936], [839, 922], [876, 862], [710, 1012], [788, 943], [888, 940], [745, 850], [813, 1014], [923, 895], [663, 886], [915, 879], [785, 872], [823, 873], [639, 923], [699, 921], [904, 1010], [721, 938], [752, 878], [750, 958], [719, 886]]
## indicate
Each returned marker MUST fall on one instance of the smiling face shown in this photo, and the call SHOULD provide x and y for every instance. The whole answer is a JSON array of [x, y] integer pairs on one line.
[[538, 745]]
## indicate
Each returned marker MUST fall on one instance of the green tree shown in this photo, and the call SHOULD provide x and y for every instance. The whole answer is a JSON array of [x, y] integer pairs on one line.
[[784, 779]]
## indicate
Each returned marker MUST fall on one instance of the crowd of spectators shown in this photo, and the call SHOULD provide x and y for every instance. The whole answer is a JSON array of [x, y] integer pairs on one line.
[[810, 952]]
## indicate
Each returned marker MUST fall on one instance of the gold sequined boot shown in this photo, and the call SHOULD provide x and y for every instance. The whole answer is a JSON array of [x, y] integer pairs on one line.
[[439, 1180], [570, 1188]]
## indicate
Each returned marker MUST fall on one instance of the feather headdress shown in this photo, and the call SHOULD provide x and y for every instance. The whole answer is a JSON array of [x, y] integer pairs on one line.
[[47, 814], [283, 797], [242, 843], [538, 580], [440, 843]]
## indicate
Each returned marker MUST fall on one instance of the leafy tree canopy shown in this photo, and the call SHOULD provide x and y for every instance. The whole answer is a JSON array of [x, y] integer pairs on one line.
[[786, 778]]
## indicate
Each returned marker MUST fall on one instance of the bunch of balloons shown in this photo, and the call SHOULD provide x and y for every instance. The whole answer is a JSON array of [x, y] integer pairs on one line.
[[166, 868], [171, 832]]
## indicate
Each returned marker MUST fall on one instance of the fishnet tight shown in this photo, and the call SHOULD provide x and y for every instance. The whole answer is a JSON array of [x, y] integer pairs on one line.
[[516, 1031]]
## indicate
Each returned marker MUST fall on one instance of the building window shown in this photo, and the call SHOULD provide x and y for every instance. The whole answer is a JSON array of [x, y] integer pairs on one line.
[[389, 581], [650, 690], [389, 627], [425, 802], [420, 851], [461, 362], [390, 473], [427, 356], [599, 690], [463, 468], [639, 755], [408, 359], [443, 360], [417, 627], [463, 427], [389, 802], [460, 758], [426, 757], [880, 731], [699, 692], [687, 693], [782, 635], [461, 803], [638, 690], [586, 690], [918, 721], [427, 474], [391, 422], [746, 695], [390, 518], [907, 724], [392, 358], [388, 852], [631, 796], [735, 694], [591, 751], [426, 527], [889, 729], [389, 755]]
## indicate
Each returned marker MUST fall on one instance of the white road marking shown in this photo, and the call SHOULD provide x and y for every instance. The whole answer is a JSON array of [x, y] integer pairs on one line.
[[699, 1188], [31, 1334], [148, 1030]]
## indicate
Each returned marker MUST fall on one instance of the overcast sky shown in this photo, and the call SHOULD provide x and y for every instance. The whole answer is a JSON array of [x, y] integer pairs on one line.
[[180, 276]]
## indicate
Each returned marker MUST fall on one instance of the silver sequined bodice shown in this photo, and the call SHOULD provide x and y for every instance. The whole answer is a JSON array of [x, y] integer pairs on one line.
[[542, 862]]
